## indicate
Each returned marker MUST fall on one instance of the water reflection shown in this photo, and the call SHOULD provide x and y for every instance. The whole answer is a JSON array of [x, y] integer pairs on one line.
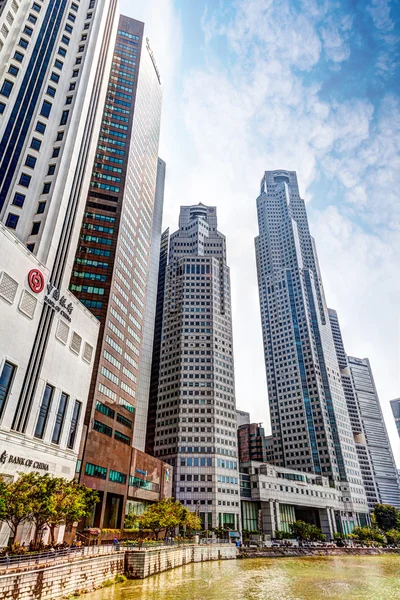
[[358, 578]]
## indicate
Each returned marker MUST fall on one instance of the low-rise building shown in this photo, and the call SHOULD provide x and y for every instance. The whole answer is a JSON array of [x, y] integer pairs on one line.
[[273, 497]]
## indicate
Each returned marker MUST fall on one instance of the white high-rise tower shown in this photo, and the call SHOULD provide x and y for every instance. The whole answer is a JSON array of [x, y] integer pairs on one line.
[[195, 428]]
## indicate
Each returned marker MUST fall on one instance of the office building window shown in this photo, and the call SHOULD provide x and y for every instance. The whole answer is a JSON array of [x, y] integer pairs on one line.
[[2, 107], [30, 161], [13, 70], [12, 221], [46, 188], [62, 408], [41, 208], [44, 411], [46, 109], [18, 56], [64, 117], [74, 424], [19, 200], [6, 88], [35, 228], [35, 144], [6, 379], [40, 127], [25, 180], [117, 477], [95, 471]]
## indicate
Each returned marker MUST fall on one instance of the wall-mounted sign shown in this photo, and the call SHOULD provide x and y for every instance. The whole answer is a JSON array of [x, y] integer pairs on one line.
[[23, 462], [57, 302], [141, 472], [167, 475], [36, 281]]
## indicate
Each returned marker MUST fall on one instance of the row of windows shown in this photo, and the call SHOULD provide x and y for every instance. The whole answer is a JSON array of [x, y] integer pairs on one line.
[[101, 472]]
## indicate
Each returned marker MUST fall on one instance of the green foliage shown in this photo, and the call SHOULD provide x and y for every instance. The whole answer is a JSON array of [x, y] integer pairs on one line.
[[166, 515], [281, 534], [393, 536], [119, 578], [44, 501], [368, 534], [386, 517], [306, 531]]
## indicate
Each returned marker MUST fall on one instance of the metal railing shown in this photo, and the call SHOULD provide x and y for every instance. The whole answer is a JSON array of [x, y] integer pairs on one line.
[[45, 559]]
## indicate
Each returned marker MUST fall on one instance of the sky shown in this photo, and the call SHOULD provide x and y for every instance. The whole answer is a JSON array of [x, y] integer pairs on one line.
[[310, 86]]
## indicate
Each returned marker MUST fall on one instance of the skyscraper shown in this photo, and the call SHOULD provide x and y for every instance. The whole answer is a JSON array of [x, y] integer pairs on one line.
[[310, 421], [142, 403], [195, 426], [363, 451], [383, 464], [395, 404], [115, 269], [54, 57]]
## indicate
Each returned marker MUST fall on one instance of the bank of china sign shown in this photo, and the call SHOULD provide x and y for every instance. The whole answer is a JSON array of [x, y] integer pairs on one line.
[[22, 462]]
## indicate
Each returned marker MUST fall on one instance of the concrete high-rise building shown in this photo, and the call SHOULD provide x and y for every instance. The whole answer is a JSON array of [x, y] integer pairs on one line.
[[54, 65], [395, 404], [142, 400], [360, 441], [376, 436], [115, 277], [158, 323], [309, 416], [243, 417], [195, 428]]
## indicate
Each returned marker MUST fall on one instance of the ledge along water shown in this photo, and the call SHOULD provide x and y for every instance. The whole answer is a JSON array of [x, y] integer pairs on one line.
[[373, 577]]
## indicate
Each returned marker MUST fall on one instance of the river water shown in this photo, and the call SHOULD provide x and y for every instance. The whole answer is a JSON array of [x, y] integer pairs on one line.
[[314, 578]]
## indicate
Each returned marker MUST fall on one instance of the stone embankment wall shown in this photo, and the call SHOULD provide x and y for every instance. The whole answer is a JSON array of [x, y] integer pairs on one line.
[[143, 564], [290, 552], [88, 574], [62, 580]]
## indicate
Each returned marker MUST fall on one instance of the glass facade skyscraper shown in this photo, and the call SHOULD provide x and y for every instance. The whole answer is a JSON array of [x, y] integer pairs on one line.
[[113, 272], [383, 464], [310, 421]]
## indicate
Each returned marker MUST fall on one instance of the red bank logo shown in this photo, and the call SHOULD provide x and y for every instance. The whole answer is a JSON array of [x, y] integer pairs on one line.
[[36, 281]]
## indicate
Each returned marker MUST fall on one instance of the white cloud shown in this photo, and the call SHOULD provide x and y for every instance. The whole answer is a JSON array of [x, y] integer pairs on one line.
[[259, 113], [255, 109]]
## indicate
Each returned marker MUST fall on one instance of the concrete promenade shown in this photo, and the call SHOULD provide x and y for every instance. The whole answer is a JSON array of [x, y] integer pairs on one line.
[[75, 577]]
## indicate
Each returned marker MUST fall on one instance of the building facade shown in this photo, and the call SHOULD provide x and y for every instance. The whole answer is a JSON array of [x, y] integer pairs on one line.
[[252, 443], [113, 273], [363, 451], [273, 498], [376, 436], [54, 57], [310, 421], [195, 423], [395, 404], [243, 417]]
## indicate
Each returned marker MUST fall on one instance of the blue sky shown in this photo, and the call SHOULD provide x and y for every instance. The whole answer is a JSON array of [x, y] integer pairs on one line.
[[306, 85]]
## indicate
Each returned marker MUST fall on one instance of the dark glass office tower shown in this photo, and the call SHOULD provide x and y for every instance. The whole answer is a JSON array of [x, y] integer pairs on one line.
[[310, 421], [112, 263]]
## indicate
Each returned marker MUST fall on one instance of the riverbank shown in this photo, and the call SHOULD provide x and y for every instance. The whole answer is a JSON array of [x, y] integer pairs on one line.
[[76, 577], [316, 578], [292, 552]]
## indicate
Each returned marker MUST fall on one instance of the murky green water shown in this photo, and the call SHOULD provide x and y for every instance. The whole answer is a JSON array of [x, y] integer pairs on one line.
[[353, 578]]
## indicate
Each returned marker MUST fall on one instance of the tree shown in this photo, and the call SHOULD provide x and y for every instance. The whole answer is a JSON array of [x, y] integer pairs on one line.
[[281, 534], [300, 530], [68, 503], [160, 516], [15, 502], [316, 534], [42, 501], [191, 521], [166, 515], [386, 516], [393, 536]]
